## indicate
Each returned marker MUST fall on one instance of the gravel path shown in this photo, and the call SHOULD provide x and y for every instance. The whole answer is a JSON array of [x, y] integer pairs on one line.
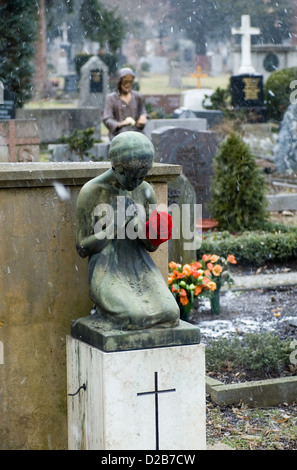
[[256, 303]]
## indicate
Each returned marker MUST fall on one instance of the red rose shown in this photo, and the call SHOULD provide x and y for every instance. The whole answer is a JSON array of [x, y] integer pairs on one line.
[[159, 227]]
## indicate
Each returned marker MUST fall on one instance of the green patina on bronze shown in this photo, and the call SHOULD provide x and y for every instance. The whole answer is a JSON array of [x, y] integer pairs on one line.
[[127, 288]]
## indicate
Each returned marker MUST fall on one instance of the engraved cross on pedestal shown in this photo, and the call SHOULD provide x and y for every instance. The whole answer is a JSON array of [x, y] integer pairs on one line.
[[156, 392]]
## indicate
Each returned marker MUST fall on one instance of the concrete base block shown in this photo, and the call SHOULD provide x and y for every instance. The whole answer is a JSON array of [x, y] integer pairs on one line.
[[147, 399], [281, 202], [270, 392]]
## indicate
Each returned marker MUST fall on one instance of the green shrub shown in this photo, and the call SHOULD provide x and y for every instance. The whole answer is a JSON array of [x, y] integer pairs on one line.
[[219, 100], [238, 199], [277, 244], [222, 353], [277, 92], [263, 352], [80, 141]]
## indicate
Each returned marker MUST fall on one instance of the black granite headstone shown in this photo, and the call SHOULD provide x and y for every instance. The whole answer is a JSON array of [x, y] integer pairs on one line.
[[7, 108], [247, 93], [71, 83]]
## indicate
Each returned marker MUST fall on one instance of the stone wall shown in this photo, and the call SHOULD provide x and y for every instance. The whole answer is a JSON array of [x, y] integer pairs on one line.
[[43, 288], [52, 123]]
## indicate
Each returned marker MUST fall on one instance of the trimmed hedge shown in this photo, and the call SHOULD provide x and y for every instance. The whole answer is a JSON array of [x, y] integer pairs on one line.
[[253, 248]]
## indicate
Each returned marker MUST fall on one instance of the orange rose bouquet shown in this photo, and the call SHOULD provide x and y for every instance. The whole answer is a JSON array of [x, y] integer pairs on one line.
[[217, 268], [187, 282], [200, 278]]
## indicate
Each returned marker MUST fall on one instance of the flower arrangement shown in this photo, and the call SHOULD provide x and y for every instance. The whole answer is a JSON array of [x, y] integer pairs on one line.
[[200, 278]]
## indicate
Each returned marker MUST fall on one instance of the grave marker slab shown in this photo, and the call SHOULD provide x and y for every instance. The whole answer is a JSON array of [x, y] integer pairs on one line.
[[7, 106], [193, 99], [19, 141], [194, 124], [167, 103], [181, 192], [93, 83], [71, 83], [194, 151]]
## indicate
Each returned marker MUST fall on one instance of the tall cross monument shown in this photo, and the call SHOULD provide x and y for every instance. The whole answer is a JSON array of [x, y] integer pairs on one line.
[[246, 31]]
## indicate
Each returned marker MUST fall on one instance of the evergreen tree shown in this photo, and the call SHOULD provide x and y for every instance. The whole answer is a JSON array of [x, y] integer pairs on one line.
[[18, 24], [238, 188], [102, 25]]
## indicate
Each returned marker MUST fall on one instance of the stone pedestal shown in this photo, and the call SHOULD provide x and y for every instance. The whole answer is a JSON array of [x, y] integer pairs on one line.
[[145, 398], [38, 227]]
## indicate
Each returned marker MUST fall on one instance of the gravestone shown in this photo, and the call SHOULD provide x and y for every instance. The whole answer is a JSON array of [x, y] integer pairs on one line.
[[19, 141], [187, 54], [214, 117], [71, 83], [8, 104], [195, 124], [247, 86], [194, 151], [182, 193], [166, 103], [175, 75], [183, 113], [193, 99], [93, 83], [157, 64]]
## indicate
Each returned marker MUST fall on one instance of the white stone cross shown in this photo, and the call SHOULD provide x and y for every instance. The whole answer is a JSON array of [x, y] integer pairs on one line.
[[64, 29], [246, 31]]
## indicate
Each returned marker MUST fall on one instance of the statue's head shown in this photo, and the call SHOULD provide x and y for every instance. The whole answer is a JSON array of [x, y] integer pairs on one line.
[[125, 80], [131, 155]]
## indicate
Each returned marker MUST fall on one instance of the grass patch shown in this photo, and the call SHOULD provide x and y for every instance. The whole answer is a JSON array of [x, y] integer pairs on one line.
[[157, 84], [50, 104]]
